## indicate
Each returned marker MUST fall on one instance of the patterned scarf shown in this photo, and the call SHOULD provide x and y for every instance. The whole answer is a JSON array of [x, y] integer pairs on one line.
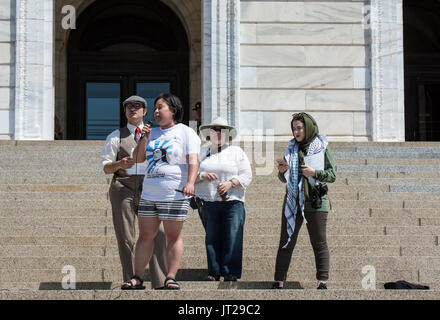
[[295, 182]]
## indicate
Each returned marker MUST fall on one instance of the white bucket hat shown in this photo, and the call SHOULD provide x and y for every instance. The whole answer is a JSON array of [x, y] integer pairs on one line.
[[219, 122]]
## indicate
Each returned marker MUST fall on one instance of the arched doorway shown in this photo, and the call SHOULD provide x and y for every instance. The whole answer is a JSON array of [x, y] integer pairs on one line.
[[422, 69], [121, 48]]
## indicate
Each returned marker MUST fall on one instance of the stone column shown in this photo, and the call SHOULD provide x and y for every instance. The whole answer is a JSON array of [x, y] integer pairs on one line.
[[34, 95], [387, 70], [220, 60]]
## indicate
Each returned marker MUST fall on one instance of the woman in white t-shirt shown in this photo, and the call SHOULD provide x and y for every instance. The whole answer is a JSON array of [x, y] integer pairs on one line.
[[171, 151], [225, 172]]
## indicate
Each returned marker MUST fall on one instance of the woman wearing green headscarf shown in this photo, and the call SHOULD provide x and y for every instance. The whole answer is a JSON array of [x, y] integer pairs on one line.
[[304, 189]]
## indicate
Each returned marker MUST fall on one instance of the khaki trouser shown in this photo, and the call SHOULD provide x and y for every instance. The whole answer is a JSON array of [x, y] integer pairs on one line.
[[125, 202]]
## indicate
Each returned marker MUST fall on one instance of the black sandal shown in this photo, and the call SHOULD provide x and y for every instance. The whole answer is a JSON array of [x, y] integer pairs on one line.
[[212, 278], [168, 286], [129, 285]]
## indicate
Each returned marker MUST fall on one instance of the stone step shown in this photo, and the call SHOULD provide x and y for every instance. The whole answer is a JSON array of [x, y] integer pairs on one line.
[[389, 181], [55, 212], [367, 145], [344, 171], [269, 181], [265, 284], [194, 278], [339, 144], [253, 225], [84, 151], [375, 213], [262, 204], [400, 149], [92, 157], [266, 263], [55, 188], [388, 154], [251, 196], [383, 196], [250, 230], [383, 161], [252, 188], [425, 188], [385, 175], [371, 147], [44, 217], [199, 239], [230, 295], [410, 204], [193, 224], [11, 177], [434, 170], [262, 250], [342, 213]]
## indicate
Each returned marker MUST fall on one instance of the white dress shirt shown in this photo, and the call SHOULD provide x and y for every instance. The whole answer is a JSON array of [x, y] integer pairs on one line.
[[111, 148]]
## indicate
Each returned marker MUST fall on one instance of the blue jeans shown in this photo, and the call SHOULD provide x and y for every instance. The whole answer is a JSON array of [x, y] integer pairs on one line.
[[224, 224]]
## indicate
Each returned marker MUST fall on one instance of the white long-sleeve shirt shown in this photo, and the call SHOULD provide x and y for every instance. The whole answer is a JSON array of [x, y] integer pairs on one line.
[[230, 163]]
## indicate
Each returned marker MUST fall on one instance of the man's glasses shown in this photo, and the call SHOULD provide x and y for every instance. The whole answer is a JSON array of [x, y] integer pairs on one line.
[[135, 106], [217, 129]]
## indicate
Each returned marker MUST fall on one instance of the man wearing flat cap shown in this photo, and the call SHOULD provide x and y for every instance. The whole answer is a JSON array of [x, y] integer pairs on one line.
[[125, 190]]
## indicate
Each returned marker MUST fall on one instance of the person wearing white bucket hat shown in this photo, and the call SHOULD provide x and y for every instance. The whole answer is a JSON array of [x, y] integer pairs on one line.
[[224, 174]]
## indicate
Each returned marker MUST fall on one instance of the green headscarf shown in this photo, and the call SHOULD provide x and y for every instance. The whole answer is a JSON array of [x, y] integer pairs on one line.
[[311, 132]]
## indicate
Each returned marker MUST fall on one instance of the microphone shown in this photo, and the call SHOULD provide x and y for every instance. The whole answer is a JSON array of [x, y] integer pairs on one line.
[[150, 123]]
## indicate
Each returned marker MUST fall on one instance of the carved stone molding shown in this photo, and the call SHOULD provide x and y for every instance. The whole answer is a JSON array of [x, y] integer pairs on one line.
[[221, 60], [387, 67], [34, 93]]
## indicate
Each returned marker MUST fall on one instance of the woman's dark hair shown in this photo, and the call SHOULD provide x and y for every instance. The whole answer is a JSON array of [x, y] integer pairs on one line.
[[297, 117], [174, 103]]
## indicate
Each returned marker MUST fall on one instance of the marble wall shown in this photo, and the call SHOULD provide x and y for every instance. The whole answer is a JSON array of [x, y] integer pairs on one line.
[[34, 84], [7, 68], [311, 56], [387, 71], [341, 61]]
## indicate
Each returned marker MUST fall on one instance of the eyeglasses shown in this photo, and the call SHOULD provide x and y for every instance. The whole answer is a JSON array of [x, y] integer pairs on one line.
[[135, 106], [217, 129], [297, 129]]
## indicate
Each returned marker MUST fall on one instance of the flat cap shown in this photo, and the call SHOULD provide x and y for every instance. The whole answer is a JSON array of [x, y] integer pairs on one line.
[[134, 99]]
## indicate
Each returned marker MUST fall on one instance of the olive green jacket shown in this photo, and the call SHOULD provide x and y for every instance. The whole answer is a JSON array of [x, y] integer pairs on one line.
[[327, 175]]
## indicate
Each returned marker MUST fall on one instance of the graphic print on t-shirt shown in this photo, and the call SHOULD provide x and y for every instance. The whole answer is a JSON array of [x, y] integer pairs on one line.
[[158, 155]]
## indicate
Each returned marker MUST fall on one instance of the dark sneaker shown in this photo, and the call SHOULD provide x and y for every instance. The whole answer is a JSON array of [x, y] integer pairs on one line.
[[322, 286], [230, 277], [276, 285]]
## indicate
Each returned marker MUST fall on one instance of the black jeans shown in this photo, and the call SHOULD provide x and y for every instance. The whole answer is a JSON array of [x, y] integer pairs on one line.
[[316, 226]]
